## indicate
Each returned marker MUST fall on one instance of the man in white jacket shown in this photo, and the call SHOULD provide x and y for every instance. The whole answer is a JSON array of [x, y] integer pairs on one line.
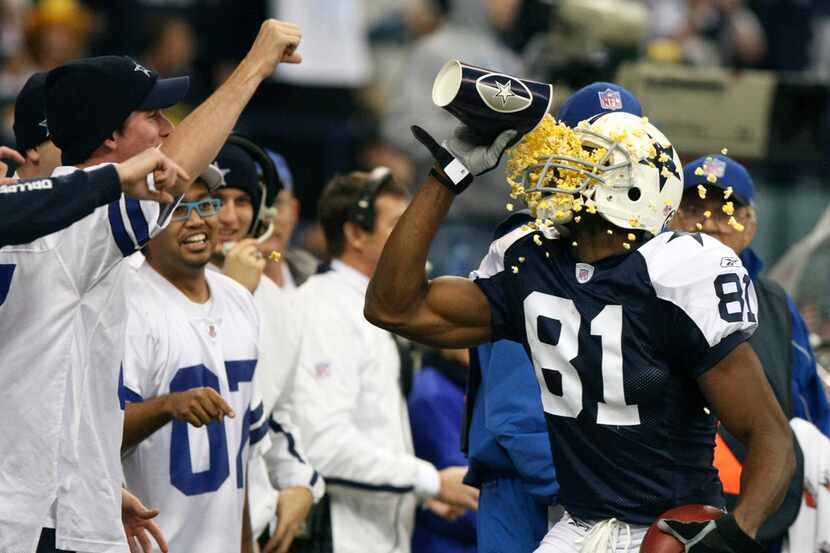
[[347, 395]]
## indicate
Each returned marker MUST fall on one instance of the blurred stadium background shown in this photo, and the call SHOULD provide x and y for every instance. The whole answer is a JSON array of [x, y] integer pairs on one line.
[[748, 75]]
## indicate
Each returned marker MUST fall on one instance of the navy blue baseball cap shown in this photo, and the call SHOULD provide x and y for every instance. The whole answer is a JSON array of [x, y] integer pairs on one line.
[[88, 99], [597, 98], [239, 170], [31, 128], [722, 172]]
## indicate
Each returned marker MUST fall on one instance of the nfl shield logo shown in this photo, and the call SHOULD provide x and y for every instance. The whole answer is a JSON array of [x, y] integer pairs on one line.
[[715, 167], [584, 272], [610, 99]]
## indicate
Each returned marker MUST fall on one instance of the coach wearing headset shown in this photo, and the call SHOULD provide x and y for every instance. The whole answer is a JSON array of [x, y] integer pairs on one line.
[[347, 394]]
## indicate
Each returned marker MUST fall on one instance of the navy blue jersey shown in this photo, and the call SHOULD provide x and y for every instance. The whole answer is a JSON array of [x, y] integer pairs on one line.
[[616, 347]]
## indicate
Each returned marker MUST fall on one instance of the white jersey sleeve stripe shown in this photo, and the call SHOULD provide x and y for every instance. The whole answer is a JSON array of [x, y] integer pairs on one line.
[[119, 230], [137, 220], [292, 448], [259, 426]]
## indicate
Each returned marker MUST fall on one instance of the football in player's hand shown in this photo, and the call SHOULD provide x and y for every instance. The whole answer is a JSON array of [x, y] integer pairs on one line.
[[657, 541]]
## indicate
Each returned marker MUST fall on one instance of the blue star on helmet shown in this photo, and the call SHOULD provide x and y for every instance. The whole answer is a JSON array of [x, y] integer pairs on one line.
[[141, 69], [663, 161], [505, 91]]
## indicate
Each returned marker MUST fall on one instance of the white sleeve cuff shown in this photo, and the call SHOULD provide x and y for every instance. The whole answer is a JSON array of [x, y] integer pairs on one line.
[[427, 480]]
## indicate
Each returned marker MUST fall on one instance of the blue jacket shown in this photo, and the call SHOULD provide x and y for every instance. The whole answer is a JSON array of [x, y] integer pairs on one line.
[[436, 408], [809, 399]]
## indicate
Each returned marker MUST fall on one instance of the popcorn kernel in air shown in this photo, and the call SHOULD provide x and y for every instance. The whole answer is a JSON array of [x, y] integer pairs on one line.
[[275, 256], [698, 226], [725, 151], [712, 178], [609, 231], [591, 209], [634, 222], [514, 269], [663, 158], [537, 239], [626, 245], [574, 244], [701, 191], [631, 237], [699, 171], [707, 213], [547, 254], [728, 208], [727, 192], [521, 259], [509, 207]]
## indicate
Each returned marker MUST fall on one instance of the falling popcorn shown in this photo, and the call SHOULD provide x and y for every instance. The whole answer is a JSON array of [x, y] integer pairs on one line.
[[725, 151], [591, 208], [547, 254], [626, 245], [275, 256], [728, 208], [663, 158], [735, 224], [727, 192], [574, 244], [509, 207], [699, 171], [701, 191], [634, 222], [699, 226], [609, 231], [631, 237], [514, 269], [537, 239], [578, 218], [707, 213], [712, 178], [521, 260]]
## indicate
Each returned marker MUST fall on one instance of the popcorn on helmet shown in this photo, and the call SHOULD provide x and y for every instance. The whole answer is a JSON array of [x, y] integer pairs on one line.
[[616, 164]]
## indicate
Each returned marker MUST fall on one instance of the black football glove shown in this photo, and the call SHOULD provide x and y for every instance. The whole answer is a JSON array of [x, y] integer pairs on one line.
[[463, 156], [712, 536]]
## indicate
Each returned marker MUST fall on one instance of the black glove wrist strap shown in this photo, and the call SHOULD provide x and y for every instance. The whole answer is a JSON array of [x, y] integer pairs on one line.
[[444, 179], [737, 539]]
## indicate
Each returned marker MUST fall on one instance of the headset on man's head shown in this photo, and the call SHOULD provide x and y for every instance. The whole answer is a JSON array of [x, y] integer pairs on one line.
[[270, 185], [363, 212]]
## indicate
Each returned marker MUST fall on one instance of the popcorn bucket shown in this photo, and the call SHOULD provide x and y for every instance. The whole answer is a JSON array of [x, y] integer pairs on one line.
[[489, 102]]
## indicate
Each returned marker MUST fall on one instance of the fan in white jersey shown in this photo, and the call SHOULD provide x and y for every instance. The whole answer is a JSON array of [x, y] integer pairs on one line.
[[283, 482], [62, 321], [188, 374]]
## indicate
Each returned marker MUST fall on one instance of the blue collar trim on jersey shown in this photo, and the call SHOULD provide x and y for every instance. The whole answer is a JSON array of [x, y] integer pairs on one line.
[[752, 262]]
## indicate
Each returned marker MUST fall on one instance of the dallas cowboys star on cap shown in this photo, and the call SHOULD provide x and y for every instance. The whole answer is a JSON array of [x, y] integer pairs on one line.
[[31, 128], [89, 99]]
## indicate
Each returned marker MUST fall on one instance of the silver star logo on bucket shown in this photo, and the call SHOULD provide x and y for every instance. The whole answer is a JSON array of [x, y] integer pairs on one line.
[[503, 93]]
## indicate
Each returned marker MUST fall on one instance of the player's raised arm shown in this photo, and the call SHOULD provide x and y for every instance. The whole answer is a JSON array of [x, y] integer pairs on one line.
[[447, 311], [197, 140]]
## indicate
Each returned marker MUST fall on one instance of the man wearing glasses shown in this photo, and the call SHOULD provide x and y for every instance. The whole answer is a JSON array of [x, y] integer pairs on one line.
[[189, 361]]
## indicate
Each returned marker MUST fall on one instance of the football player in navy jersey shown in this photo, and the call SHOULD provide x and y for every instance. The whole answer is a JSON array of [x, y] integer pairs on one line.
[[636, 336]]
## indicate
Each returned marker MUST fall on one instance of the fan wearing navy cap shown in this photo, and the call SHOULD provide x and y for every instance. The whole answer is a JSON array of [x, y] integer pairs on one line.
[[60, 393], [510, 457], [282, 483], [718, 199]]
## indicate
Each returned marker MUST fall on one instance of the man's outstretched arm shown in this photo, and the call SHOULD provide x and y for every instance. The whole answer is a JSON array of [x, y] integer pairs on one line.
[[444, 312]]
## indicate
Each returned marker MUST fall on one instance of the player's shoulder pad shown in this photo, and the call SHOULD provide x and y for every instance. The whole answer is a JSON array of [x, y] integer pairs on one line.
[[512, 222], [673, 258], [493, 262]]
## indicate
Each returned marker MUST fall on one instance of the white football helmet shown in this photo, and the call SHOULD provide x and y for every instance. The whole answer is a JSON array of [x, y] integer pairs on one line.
[[637, 184]]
